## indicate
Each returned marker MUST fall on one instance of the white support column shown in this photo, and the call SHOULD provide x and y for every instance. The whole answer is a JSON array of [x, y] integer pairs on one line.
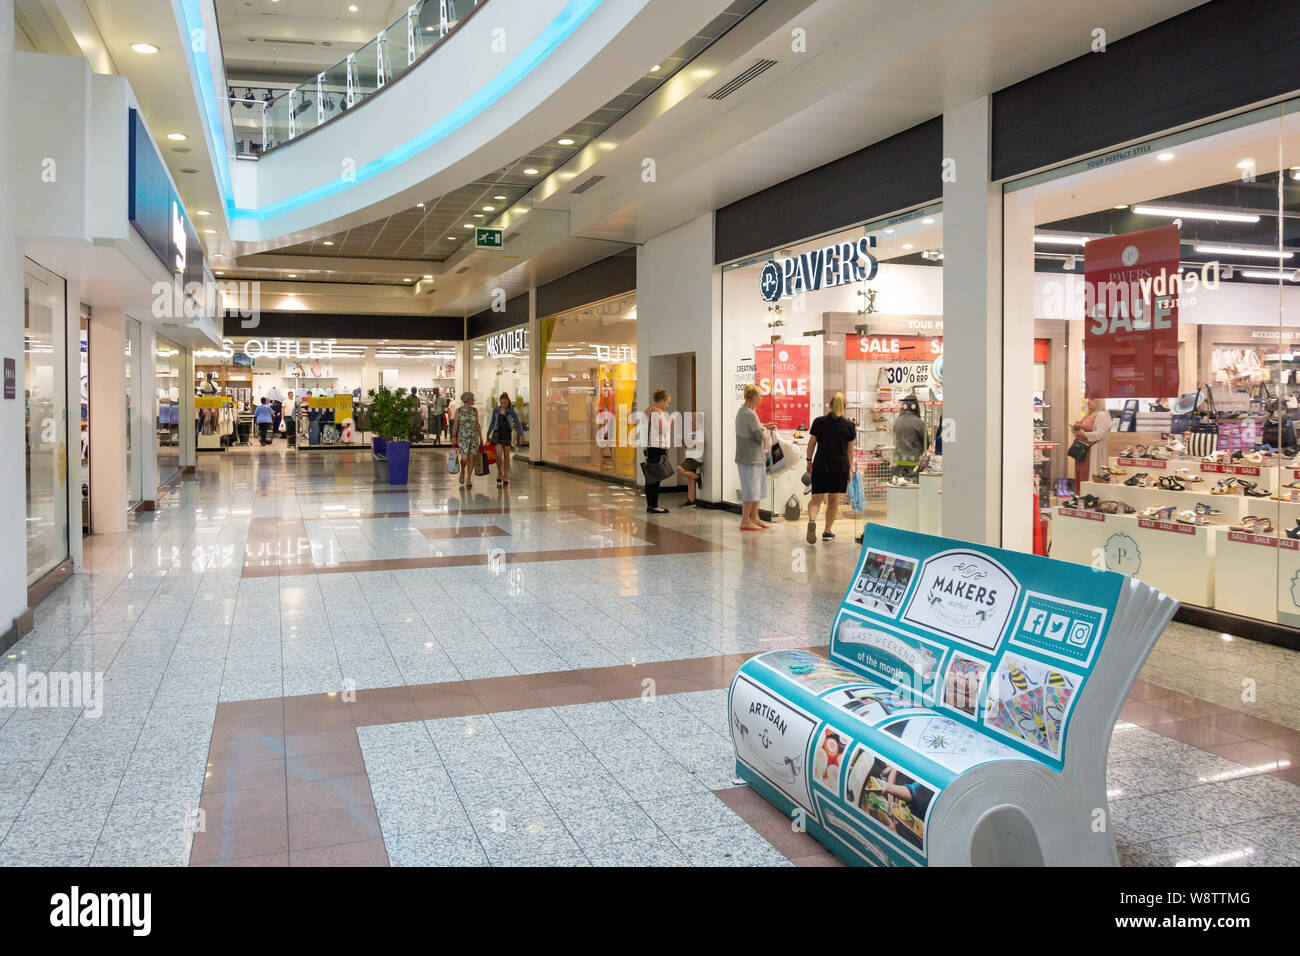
[[535, 360], [108, 470], [185, 433], [72, 336], [144, 370], [972, 345]]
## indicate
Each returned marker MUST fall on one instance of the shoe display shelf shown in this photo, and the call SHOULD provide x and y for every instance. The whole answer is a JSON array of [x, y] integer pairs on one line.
[[1234, 507], [1266, 476], [1176, 558], [930, 504], [1253, 573]]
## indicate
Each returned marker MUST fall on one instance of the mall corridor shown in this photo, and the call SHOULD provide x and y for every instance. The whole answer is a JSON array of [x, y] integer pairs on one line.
[[337, 672]]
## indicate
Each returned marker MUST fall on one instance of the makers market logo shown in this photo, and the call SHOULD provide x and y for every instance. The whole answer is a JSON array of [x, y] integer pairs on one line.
[[965, 595]]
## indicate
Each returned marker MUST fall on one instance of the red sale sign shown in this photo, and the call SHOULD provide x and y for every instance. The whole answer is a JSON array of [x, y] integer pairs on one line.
[[892, 348], [783, 374], [1130, 336]]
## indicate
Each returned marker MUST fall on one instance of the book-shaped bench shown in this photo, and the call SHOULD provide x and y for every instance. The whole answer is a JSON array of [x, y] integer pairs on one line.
[[965, 711]]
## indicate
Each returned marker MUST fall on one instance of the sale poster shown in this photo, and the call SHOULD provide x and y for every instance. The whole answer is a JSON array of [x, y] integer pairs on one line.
[[784, 377], [1131, 327]]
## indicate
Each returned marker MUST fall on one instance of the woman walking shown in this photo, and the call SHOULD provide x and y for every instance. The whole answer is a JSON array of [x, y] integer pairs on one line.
[[466, 437], [751, 437], [657, 446], [501, 430], [830, 460]]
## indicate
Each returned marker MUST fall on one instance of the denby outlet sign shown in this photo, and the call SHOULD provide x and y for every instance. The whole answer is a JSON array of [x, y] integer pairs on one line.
[[825, 268]]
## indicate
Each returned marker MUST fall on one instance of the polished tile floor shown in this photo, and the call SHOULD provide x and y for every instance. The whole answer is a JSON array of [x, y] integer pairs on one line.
[[304, 668]]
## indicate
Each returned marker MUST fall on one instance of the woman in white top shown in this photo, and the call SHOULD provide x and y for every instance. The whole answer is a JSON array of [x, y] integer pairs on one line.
[[1092, 428], [657, 444], [692, 466]]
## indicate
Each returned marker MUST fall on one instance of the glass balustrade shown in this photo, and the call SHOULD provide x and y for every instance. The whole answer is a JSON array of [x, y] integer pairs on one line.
[[266, 125]]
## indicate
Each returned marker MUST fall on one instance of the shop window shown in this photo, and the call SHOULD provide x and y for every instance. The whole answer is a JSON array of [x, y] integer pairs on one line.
[[499, 363], [45, 360], [819, 318], [1160, 288]]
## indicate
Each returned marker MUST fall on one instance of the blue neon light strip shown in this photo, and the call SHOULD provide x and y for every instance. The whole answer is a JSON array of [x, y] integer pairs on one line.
[[192, 20], [555, 33]]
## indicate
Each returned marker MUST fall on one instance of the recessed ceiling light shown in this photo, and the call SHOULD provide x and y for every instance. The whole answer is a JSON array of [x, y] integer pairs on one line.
[[928, 222], [218, 273], [177, 137], [1061, 240], [489, 208], [566, 142], [1122, 205], [478, 215], [429, 277], [329, 242], [1258, 274], [908, 245], [406, 280], [144, 48], [1174, 212], [469, 225], [352, 8], [419, 205], [889, 232], [293, 275], [655, 68], [1165, 157], [530, 171], [210, 232], [452, 238], [202, 212], [293, 295]]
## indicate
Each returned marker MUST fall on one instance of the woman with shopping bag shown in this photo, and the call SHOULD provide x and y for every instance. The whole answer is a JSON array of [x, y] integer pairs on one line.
[[656, 466], [501, 433], [467, 438], [830, 459]]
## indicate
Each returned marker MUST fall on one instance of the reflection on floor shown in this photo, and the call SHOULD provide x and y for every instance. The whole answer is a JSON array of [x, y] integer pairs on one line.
[[305, 668]]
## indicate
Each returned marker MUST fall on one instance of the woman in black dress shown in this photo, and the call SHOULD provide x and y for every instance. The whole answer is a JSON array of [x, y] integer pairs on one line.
[[830, 459]]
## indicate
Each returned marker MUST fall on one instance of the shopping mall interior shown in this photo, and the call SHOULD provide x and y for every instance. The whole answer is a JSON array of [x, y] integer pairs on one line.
[[652, 433]]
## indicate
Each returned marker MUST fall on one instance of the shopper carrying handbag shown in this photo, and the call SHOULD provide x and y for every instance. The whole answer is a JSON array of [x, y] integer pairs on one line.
[[1093, 429], [466, 437], [830, 459], [502, 431], [656, 466]]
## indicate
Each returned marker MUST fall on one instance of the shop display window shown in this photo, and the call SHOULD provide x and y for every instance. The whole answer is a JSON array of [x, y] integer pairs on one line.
[[499, 363], [819, 318], [168, 360], [589, 387], [1159, 291], [45, 371]]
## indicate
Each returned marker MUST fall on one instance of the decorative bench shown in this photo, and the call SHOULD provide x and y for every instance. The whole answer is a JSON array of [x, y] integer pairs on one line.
[[965, 712]]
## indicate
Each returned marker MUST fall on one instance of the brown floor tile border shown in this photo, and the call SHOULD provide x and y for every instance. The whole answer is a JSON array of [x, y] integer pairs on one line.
[[465, 531], [287, 784]]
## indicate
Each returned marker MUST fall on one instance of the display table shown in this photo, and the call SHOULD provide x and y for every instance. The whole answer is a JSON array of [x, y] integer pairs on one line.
[[1246, 573], [1176, 558], [903, 508], [930, 517]]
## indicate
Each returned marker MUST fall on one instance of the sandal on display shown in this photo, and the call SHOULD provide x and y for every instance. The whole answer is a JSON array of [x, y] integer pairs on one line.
[[1253, 524], [1185, 474], [1170, 483], [1117, 472], [1226, 486], [1253, 457], [1191, 517], [1123, 508], [1138, 480], [1166, 514], [1108, 507], [1148, 512], [1091, 501], [1127, 452], [1103, 476], [1176, 446], [1252, 489], [1203, 509], [1072, 502], [1158, 454], [1294, 532]]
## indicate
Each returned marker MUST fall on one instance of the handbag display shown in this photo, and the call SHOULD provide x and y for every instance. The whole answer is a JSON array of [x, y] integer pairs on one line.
[[1203, 432], [792, 509], [658, 470]]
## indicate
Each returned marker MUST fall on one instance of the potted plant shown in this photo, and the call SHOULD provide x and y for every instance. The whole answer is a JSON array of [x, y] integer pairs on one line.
[[391, 413]]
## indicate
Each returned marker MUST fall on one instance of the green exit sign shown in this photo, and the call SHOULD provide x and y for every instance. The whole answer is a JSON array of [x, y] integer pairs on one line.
[[487, 239]]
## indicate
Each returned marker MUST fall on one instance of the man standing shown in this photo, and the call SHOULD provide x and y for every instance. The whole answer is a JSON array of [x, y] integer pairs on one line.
[[263, 418]]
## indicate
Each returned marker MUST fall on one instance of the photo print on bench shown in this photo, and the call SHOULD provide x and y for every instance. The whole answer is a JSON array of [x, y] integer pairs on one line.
[[963, 683], [829, 757], [896, 657], [948, 743], [1031, 702], [895, 801], [883, 582]]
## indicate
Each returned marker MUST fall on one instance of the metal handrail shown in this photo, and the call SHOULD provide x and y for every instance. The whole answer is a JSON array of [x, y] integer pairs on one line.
[[355, 79]]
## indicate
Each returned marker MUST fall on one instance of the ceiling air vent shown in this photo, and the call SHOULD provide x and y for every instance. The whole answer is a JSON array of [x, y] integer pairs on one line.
[[286, 41], [583, 186], [463, 269], [758, 67]]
